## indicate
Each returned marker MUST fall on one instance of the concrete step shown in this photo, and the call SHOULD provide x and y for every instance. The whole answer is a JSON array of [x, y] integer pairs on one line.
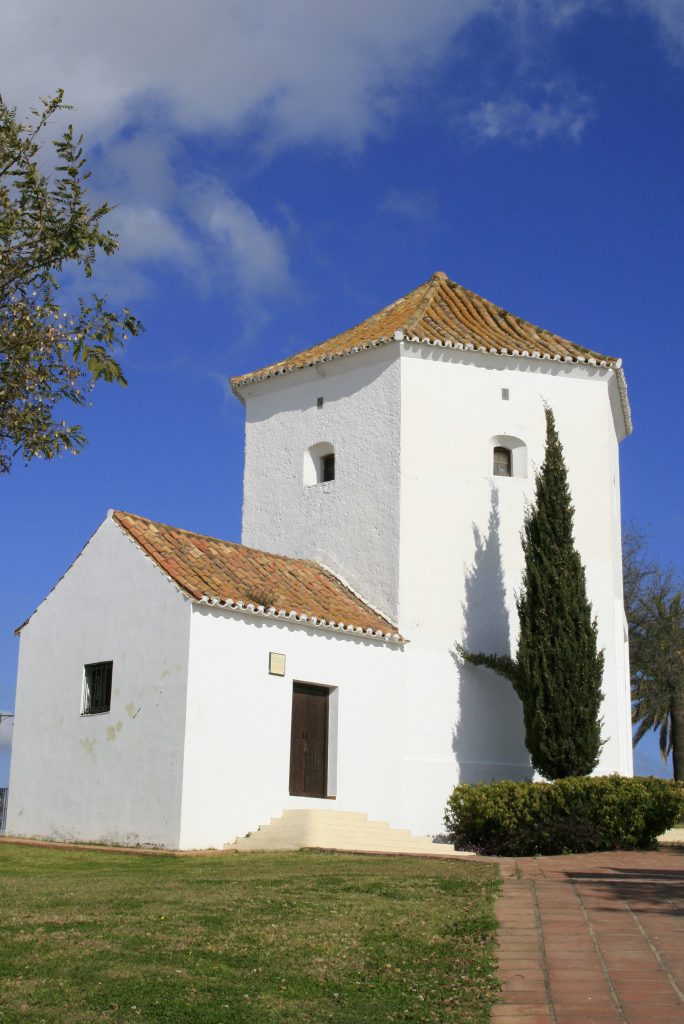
[[353, 841], [339, 831], [324, 814], [673, 836], [299, 829]]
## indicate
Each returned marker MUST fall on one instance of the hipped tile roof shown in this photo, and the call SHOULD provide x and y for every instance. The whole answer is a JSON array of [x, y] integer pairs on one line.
[[218, 572], [444, 313]]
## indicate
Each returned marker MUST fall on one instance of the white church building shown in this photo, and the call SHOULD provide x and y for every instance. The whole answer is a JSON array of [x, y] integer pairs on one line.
[[180, 691]]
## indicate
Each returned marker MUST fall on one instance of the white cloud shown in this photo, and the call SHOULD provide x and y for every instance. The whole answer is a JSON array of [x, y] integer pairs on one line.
[[556, 12], [140, 165], [213, 238], [147, 233], [289, 71], [148, 78], [188, 221], [252, 250], [669, 17], [415, 206], [561, 111], [276, 72]]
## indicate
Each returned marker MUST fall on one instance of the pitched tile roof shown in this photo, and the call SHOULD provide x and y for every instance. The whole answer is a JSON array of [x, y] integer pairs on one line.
[[221, 573], [444, 313]]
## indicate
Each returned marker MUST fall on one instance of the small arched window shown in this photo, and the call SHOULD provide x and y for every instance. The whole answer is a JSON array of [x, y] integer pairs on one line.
[[502, 461], [509, 456], [319, 464]]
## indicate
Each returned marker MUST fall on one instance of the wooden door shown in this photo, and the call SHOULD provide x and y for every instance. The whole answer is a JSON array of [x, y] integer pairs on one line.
[[309, 741]]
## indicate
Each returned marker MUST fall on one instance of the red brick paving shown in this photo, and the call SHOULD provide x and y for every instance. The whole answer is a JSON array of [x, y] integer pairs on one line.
[[592, 939]]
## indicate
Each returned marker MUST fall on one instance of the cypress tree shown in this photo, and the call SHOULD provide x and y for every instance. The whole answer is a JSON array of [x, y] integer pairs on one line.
[[558, 669]]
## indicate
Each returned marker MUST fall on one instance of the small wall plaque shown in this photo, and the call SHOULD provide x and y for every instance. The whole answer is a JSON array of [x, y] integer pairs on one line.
[[276, 664]]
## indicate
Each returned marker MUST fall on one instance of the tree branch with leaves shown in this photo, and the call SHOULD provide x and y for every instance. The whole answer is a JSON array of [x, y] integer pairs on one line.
[[49, 354]]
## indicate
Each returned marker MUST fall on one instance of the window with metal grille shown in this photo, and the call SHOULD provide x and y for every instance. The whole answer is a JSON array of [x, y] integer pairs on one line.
[[97, 693], [328, 467], [502, 462]]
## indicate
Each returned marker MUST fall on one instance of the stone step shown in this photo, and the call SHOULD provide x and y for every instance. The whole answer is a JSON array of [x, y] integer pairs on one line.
[[256, 843], [339, 830], [673, 836], [302, 828], [325, 814], [352, 838]]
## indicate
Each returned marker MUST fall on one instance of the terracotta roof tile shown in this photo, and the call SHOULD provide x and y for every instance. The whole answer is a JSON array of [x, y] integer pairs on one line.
[[218, 571], [447, 313]]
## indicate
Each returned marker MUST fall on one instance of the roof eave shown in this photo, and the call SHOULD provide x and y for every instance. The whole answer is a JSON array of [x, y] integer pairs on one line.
[[301, 618], [624, 397], [279, 370]]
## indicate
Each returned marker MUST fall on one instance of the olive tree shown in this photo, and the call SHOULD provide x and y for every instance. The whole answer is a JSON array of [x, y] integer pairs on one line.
[[52, 352]]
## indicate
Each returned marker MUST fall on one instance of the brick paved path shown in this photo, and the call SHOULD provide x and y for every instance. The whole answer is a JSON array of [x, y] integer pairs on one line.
[[592, 939]]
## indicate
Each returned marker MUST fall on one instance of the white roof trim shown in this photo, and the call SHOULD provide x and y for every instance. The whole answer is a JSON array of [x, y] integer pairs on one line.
[[294, 616], [281, 371], [624, 397], [356, 594]]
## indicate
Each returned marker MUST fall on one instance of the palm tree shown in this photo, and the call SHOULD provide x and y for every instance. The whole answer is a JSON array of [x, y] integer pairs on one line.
[[654, 604]]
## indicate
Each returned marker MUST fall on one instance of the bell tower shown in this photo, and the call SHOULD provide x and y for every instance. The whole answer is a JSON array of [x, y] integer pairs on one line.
[[401, 454]]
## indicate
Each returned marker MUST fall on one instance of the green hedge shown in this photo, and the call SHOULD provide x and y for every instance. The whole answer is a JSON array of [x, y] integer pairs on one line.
[[575, 815]]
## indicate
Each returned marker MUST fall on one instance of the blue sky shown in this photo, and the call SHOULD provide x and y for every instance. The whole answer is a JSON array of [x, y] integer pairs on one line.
[[282, 170]]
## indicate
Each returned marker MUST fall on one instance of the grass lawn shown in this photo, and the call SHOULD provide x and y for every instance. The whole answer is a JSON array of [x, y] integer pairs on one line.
[[298, 937]]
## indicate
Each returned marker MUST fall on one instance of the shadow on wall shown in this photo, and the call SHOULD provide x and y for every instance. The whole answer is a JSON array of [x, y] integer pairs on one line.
[[488, 739]]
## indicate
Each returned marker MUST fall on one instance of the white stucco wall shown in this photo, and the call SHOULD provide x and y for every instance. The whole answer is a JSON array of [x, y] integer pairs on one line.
[[112, 777], [195, 750], [352, 523], [237, 750], [438, 542], [460, 569]]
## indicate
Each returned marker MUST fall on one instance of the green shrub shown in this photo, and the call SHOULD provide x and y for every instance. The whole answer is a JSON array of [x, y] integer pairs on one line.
[[574, 815]]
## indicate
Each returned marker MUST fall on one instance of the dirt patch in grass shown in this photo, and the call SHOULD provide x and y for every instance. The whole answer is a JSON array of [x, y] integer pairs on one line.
[[254, 939]]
